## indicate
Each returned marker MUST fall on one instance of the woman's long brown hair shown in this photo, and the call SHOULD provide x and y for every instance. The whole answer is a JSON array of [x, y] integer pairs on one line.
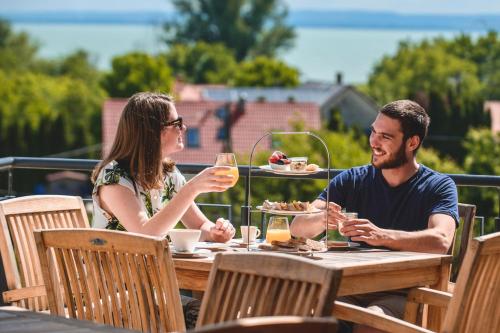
[[137, 143]]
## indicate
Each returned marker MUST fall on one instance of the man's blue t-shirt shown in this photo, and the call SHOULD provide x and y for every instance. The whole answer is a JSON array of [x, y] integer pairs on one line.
[[405, 207]]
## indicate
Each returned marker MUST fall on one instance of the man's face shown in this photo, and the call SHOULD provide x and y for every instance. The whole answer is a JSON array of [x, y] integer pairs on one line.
[[386, 142]]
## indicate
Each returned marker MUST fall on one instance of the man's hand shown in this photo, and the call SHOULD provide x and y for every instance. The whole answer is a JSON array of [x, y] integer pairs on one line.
[[365, 231], [222, 231]]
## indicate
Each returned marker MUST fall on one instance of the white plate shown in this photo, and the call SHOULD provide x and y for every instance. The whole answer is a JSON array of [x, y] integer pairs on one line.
[[201, 253], [288, 172], [289, 212], [211, 245]]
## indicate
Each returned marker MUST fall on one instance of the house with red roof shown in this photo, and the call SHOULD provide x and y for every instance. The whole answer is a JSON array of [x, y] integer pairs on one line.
[[216, 126], [493, 107]]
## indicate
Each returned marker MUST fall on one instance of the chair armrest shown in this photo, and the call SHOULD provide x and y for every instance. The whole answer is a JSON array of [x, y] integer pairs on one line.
[[359, 315], [15, 295], [429, 296]]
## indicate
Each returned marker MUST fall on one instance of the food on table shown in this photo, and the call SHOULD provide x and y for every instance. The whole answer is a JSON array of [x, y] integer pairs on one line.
[[294, 245], [312, 167], [291, 206], [279, 161], [298, 163]]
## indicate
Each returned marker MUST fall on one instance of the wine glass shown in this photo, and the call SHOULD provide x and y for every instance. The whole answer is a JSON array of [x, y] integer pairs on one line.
[[278, 229], [227, 159]]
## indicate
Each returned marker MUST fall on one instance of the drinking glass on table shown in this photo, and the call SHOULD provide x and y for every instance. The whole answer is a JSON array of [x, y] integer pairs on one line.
[[278, 229], [348, 216], [227, 159]]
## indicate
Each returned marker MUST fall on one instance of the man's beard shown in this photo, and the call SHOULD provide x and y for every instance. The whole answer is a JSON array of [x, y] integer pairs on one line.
[[396, 161]]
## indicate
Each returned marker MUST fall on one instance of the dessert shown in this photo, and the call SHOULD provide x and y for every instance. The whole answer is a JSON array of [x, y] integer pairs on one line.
[[292, 206], [298, 163], [279, 161], [312, 167], [294, 245]]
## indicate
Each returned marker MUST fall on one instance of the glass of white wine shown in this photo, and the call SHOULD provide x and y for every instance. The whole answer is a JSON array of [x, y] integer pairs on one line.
[[227, 159]]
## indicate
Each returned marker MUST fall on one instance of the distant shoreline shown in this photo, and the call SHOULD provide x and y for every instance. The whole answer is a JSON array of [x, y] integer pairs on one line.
[[302, 19]]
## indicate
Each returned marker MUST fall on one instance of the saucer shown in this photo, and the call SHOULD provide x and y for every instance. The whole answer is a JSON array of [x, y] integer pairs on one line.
[[198, 253], [212, 246]]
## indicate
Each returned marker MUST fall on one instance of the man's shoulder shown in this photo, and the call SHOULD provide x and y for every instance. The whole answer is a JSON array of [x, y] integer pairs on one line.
[[433, 175]]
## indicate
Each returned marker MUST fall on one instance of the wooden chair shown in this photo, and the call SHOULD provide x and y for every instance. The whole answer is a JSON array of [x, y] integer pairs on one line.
[[277, 324], [18, 218], [472, 308], [467, 214], [256, 284], [111, 277]]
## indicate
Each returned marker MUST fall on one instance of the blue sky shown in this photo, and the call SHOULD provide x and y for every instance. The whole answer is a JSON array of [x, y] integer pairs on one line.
[[401, 6]]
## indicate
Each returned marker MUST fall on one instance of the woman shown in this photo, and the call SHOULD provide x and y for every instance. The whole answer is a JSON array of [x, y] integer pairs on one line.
[[138, 189]]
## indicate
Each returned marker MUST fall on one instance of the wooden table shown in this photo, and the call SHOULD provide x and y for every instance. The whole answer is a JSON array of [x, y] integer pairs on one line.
[[19, 320], [364, 271]]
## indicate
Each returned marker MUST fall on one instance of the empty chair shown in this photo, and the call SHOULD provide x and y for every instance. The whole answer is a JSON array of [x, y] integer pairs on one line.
[[277, 324], [18, 218], [255, 284], [473, 307], [111, 277]]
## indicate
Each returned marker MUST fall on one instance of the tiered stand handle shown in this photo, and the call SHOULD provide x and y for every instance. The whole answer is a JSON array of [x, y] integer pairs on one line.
[[246, 209]]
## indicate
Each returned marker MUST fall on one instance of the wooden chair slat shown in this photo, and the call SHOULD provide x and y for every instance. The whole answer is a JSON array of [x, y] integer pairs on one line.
[[280, 279], [18, 218], [131, 288]]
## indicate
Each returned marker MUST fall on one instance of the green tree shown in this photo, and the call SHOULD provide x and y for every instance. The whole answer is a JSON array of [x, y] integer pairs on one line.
[[135, 72], [266, 72], [249, 27], [17, 50], [483, 157], [202, 62], [447, 85]]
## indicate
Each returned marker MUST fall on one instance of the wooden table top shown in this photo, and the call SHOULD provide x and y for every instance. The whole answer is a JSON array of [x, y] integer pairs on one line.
[[351, 262]]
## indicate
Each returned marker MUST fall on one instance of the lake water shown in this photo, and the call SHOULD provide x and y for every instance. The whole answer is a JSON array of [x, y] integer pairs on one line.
[[318, 53]]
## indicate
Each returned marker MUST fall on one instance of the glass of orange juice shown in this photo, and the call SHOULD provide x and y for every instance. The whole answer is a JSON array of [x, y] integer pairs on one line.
[[227, 159], [278, 229]]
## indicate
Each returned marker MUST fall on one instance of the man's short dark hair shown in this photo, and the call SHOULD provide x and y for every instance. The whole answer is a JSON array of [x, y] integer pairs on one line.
[[412, 117]]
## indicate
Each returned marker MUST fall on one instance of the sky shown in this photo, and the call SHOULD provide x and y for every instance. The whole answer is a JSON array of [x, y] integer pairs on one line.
[[400, 6]]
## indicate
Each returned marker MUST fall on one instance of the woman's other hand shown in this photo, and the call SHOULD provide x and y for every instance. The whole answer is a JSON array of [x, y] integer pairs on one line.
[[213, 179], [222, 231]]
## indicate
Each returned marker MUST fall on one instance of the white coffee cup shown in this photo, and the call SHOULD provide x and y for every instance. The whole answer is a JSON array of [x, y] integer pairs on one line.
[[254, 233], [184, 240]]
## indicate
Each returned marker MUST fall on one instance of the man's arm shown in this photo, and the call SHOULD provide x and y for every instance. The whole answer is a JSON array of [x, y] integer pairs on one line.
[[437, 238], [310, 226]]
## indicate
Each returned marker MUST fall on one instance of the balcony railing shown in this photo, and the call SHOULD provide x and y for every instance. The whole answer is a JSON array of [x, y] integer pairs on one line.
[[9, 164]]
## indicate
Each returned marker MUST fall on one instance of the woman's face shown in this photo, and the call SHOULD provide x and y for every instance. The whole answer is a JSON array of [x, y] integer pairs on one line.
[[172, 136]]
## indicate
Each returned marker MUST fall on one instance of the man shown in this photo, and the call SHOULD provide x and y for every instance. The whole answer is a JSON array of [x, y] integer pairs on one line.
[[401, 205]]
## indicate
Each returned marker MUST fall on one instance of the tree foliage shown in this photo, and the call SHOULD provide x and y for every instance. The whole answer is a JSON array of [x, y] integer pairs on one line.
[[266, 72], [450, 78], [135, 72], [202, 62], [48, 106], [17, 51], [249, 27]]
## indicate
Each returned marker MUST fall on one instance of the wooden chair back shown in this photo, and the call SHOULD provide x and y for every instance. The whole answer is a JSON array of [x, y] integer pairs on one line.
[[111, 277], [476, 299], [467, 214], [277, 324], [256, 284], [18, 218]]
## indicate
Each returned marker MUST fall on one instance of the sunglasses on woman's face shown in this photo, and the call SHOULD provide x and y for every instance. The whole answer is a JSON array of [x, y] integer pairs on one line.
[[176, 123]]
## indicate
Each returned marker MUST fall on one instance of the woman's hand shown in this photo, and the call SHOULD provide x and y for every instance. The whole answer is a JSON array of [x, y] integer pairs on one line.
[[222, 231], [214, 179], [334, 215]]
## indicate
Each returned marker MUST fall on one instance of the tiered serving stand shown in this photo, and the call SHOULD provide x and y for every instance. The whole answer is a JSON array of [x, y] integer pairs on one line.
[[246, 209]]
